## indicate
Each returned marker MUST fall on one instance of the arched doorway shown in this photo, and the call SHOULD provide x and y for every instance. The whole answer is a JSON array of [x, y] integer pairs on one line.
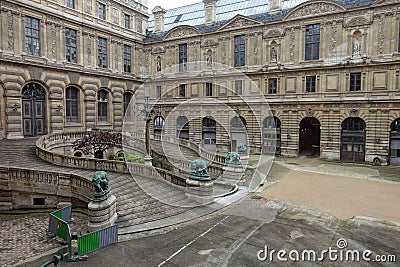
[[158, 125], [353, 140], [238, 134], [209, 133], [182, 128], [395, 142], [271, 136], [33, 109], [309, 137]]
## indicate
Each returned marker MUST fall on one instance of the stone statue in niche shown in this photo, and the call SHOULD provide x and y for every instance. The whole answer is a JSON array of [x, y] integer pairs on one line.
[[209, 58], [158, 63], [273, 54], [356, 46]]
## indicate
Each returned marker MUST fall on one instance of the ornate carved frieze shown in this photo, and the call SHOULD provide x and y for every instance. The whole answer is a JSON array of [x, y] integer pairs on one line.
[[182, 31], [275, 33], [158, 50], [209, 43], [315, 9], [358, 21]]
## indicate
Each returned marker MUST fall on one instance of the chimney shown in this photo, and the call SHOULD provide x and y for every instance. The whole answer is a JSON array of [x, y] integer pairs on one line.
[[210, 11], [158, 13], [274, 6]]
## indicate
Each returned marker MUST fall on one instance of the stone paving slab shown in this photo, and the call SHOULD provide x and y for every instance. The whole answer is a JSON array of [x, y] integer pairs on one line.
[[23, 237]]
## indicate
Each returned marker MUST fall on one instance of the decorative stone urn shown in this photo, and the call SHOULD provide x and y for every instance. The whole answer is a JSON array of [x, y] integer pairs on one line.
[[103, 207]]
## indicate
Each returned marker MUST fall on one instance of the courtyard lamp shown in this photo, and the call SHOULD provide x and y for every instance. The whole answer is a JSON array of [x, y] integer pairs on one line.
[[148, 112]]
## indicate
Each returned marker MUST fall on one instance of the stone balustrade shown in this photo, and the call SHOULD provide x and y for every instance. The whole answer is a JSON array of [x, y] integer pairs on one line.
[[55, 186]]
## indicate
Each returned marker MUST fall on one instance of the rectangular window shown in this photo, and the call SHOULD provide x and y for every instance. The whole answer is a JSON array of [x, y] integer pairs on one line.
[[209, 89], [32, 36], [238, 87], [70, 45], [102, 52], [272, 86], [312, 42], [102, 11], [310, 84], [182, 57], [71, 4], [239, 50], [127, 58], [355, 82], [127, 21], [71, 102], [158, 91], [182, 90]]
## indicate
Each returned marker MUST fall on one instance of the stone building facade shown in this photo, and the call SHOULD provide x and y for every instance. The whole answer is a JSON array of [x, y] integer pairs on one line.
[[68, 65], [329, 71]]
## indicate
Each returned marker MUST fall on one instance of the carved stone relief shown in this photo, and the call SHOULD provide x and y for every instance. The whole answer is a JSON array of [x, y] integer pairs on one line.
[[10, 30], [292, 44], [88, 6], [181, 32], [314, 9], [381, 36], [53, 41]]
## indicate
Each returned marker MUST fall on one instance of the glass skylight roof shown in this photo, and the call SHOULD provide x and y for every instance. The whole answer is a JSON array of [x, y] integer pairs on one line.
[[193, 14]]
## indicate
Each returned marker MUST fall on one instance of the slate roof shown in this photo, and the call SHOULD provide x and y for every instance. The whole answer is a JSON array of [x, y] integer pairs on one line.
[[193, 14]]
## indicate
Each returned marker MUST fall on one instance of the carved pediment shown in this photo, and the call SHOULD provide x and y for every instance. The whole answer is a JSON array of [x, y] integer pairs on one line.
[[239, 21], [359, 21], [181, 32], [385, 2], [314, 9], [273, 34]]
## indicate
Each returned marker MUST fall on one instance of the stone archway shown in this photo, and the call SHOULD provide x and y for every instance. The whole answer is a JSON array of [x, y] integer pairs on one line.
[[182, 127], [238, 134], [309, 137], [33, 109], [209, 133], [353, 140], [271, 136], [395, 143]]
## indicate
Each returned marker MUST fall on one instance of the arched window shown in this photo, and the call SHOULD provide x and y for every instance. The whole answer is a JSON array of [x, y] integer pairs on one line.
[[238, 122], [102, 106], [72, 104], [158, 125]]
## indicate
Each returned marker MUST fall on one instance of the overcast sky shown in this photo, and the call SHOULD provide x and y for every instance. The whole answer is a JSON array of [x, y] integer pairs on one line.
[[168, 4]]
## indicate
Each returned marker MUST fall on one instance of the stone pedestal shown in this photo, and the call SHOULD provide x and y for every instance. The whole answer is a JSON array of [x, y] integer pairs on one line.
[[148, 160], [232, 174], [200, 190], [102, 213]]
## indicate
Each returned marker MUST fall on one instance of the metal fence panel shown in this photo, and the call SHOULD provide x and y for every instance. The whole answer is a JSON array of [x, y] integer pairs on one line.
[[98, 239], [88, 243], [53, 223], [108, 236]]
